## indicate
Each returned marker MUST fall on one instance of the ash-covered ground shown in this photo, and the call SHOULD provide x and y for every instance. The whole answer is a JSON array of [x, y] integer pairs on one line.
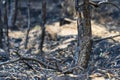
[[104, 62]]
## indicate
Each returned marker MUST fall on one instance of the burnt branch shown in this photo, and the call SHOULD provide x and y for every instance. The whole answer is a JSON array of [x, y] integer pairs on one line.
[[26, 59], [8, 62], [101, 3], [98, 40]]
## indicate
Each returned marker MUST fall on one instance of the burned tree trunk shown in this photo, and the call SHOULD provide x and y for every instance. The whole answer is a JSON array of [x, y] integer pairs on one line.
[[84, 35], [28, 29], [1, 30], [13, 6], [43, 25], [5, 29]]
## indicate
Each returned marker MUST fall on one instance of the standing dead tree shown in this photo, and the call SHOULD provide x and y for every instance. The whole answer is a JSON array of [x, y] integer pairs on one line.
[[1, 30], [12, 9], [9, 12], [5, 29], [84, 46], [43, 21], [28, 29]]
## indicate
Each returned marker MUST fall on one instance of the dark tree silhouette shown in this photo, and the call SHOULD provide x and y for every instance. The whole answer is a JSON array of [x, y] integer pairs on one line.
[[43, 25], [28, 29], [1, 30], [12, 8], [5, 22]]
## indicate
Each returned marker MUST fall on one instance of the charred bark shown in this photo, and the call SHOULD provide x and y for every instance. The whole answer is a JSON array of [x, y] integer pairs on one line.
[[84, 35]]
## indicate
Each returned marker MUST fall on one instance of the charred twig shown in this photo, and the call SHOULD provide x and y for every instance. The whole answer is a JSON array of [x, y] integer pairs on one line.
[[29, 66], [28, 29], [96, 5], [8, 62], [24, 61], [41, 62], [71, 69], [111, 4], [100, 3], [30, 59], [98, 40]]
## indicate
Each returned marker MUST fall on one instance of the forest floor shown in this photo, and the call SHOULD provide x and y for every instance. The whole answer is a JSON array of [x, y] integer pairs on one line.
[[59, 50], [104, 62]]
